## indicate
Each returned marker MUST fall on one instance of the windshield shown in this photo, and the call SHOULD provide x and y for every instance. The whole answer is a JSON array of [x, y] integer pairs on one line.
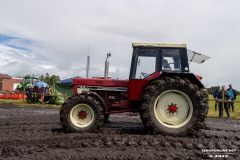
[[26, 81], [146, 62], [34, 80]]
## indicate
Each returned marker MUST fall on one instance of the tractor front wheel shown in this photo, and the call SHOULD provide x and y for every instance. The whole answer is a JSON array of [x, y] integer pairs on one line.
[[81, 113]]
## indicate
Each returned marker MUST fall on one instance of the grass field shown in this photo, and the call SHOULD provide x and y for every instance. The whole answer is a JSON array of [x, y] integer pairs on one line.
[[21, 103], [211, 113]]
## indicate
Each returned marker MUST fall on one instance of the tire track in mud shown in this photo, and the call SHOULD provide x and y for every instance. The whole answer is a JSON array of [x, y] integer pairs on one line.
[[111, 137], [38, 136], [122, 142]]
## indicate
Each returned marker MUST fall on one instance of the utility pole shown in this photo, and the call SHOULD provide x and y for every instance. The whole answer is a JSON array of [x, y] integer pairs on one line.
[[88, 62]]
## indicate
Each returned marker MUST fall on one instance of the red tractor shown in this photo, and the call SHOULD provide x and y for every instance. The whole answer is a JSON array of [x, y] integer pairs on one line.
[[169, 99]]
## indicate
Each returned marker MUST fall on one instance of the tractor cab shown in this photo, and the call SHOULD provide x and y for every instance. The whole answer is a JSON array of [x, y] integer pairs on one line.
[[27, 81], [151, 61], [149, 58]]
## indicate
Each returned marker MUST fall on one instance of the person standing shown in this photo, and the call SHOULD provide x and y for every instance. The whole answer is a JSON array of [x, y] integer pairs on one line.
[[47, 92], [233, 94], [215, 95], [223, 95], [42, 91], [36, 91], [29, 91]]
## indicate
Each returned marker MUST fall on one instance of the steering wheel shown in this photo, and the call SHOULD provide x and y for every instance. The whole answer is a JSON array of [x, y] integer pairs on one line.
[[144, 74]]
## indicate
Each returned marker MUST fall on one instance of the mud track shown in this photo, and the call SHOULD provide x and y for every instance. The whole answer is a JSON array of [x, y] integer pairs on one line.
[[36, 134]]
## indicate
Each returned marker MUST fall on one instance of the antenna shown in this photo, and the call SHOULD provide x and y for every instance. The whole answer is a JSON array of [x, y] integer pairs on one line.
[[88, 62]]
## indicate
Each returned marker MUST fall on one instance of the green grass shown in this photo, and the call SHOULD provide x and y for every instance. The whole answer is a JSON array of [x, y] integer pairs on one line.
[[21, 103], [233, 115]]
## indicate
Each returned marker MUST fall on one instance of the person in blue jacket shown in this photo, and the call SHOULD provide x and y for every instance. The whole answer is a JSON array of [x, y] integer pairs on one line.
[[215, 95], [233, 94], [42, 89]]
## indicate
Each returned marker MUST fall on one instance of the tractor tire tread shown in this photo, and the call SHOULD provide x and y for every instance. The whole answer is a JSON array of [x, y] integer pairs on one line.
[[71, 102], [179, 83]]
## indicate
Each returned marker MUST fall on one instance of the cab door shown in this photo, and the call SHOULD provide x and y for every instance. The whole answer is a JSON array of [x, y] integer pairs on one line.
[[143, 69]]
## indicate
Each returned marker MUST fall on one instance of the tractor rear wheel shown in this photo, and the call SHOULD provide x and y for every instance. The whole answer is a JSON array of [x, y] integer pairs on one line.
[[173, 106], [81, 113]]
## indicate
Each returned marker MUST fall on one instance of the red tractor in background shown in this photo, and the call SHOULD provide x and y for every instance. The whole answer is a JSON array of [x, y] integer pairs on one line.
[[169, 99]]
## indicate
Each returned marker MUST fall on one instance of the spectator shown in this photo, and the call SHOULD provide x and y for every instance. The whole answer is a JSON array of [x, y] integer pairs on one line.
[[224, 96], [48, 91], [233, 94], [29, 91], [42, 89], [36, 91], [215, 95]]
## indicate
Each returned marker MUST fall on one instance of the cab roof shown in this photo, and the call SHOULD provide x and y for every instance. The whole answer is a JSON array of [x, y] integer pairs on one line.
[[154, 44]]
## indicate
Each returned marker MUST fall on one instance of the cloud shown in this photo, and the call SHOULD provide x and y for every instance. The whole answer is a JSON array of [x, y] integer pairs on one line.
[[53, 36]]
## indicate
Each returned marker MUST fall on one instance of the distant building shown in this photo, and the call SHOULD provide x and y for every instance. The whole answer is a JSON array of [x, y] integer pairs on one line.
[[7, 83], [16, 82]]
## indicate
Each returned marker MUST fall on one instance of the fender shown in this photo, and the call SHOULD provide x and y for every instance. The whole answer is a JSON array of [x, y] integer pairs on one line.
[[190, 76], [97, 97]]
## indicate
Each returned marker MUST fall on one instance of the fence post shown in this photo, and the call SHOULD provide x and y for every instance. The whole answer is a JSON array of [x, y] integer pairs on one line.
[[42, 97], [23, 94], [6, 94], [65, 96]]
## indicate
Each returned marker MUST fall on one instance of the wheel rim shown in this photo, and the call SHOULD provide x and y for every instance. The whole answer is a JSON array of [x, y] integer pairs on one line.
[[173, 109], [82, 115]]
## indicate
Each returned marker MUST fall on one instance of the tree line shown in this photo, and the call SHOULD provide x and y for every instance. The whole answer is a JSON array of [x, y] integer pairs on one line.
[[49, 79]]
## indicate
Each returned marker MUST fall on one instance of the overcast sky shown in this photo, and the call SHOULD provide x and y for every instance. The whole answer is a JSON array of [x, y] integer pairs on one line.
[[53, 35]]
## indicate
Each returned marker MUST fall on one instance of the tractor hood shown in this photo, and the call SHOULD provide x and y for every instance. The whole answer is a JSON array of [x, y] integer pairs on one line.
[[196, 57]]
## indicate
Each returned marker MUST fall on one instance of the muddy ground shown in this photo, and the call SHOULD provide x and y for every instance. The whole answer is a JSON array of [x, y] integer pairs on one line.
[[36, 134]]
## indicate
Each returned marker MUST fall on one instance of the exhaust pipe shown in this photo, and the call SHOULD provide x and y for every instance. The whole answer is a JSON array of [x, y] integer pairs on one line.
[[107, 66]]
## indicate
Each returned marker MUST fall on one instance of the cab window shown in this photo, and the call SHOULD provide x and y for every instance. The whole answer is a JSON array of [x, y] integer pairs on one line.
[[171, 60], [146, 63]]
